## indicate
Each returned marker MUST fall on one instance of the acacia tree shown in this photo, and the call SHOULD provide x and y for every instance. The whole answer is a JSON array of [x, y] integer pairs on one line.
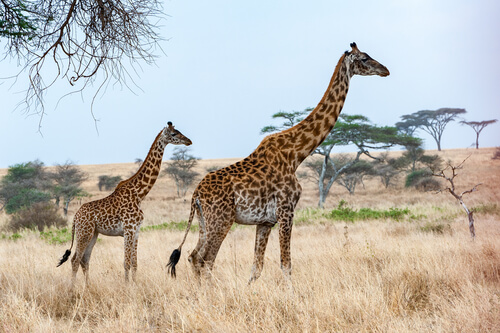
[[354, 173], [181, 169], [360, 132], [349, 129], [108, 182], [409, 124], [67, 178], [387, 169], [290, 120], [432, 122], [414, 157], [85, 40], [478, 126]]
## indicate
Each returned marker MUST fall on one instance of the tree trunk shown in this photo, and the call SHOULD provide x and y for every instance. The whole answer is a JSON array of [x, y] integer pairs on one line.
[[66, 207], [470, 217], [322, 199]]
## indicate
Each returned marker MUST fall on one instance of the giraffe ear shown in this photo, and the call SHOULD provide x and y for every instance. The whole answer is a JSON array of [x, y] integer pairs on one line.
[[354, 47]]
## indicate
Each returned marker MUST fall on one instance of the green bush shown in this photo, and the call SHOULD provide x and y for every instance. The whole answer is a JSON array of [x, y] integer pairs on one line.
[[37, 216], [345, 213], [178, 226], [57, 236], [108, 182], [488, 208], [415, 177], [24, 198], [428, 184]]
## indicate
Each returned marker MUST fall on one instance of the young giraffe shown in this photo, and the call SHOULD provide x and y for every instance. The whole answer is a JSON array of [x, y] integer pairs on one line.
[[119, 214], [262, 189]]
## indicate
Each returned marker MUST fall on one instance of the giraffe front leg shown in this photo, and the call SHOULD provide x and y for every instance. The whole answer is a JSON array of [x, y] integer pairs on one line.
[[261, 238], [285, 221], [133, 258], [128, 250]]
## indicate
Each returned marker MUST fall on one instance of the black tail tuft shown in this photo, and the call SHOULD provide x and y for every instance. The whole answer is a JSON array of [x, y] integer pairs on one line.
[[64, 258], [174, 259]]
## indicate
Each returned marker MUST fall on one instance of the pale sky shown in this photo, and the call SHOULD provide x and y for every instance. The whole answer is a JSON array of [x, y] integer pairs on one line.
[[228, 66]]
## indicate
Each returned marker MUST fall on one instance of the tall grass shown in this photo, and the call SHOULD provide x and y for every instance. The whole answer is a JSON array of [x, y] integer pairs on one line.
[[373, 276]]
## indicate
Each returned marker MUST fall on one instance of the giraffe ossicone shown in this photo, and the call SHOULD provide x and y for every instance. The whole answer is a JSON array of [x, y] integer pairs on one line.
[[262, 189], [120, 214]]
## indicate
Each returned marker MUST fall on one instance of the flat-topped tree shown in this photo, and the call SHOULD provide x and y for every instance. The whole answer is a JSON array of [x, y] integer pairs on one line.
[[349, 129], [432, 122], [478, 126]]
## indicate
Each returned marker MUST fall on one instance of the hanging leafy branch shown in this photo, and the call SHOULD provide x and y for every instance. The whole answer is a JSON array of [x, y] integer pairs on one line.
[[79, 41]]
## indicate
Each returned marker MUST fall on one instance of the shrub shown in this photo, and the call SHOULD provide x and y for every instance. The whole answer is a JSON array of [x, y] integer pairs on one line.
[[345, 213], [57, 236], [178, 226], [487, 208], [417, 176], [24, 184], [496, 154], [24, 198], [108, 182], [437, 228], [428, 184], [37, 216]]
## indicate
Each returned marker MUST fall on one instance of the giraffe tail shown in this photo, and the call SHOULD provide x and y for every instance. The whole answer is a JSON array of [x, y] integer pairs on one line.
[[176, 254], [66, 254]]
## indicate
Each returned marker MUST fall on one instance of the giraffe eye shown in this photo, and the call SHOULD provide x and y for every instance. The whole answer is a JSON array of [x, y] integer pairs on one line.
[[364, 59]]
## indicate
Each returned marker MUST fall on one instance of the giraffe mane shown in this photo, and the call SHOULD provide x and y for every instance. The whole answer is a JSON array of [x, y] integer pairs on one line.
[[123, 182], [334, 76]]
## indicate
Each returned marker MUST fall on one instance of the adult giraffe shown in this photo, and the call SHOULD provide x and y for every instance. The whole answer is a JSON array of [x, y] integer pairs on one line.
[[262, 189], [119, 214]]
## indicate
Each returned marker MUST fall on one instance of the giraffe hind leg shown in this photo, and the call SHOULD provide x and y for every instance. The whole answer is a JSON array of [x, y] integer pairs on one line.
[[196, 260], [213, 241], [84, 261], [82, 242]]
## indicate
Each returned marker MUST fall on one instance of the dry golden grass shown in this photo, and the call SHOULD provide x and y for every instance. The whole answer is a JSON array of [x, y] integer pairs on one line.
[[373, 276]]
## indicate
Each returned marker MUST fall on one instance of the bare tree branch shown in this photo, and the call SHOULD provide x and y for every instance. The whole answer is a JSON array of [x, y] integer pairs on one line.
[[451, 190], [85, 40]]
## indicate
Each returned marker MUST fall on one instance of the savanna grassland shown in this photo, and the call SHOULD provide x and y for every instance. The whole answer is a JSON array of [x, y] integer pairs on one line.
[[414, 271]]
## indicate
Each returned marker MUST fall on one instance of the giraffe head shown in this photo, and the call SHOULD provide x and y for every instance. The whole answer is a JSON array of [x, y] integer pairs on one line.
[[173, 136], [361, 63]]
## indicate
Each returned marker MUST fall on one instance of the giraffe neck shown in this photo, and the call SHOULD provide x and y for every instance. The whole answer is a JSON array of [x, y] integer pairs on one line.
[[144, 179], [307, 135]]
